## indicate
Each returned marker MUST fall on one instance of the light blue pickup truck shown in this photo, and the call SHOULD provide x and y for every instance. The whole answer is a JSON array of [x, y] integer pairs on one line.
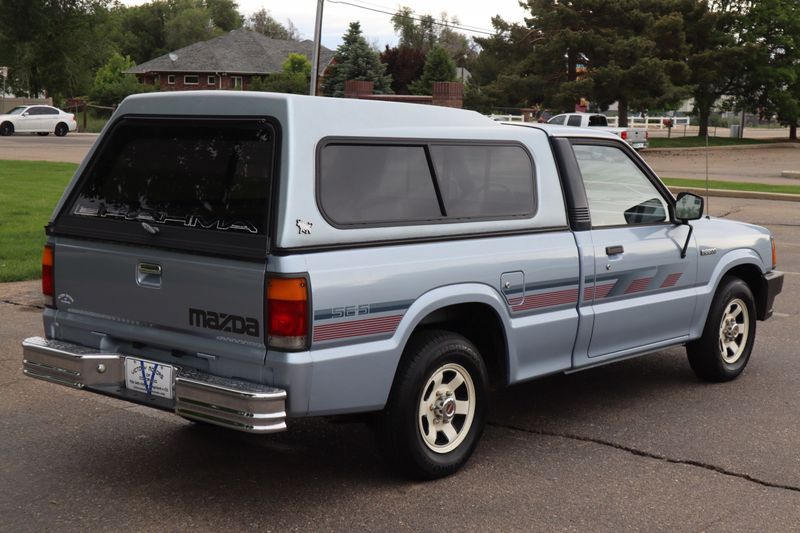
[[242, 259]]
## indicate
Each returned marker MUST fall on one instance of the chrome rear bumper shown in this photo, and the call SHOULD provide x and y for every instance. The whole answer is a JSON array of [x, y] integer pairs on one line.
[[231, 403]]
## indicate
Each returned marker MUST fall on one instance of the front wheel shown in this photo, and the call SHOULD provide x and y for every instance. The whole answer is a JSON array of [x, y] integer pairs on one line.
[[728, 336], [6, 128], [437, 407]]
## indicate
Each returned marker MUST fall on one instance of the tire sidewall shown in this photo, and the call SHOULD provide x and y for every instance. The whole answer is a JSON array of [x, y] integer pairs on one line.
[[61, 129], [450, 348], [731, 290]]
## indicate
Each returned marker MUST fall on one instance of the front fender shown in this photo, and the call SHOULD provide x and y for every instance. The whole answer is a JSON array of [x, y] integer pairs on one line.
[[707, 290]]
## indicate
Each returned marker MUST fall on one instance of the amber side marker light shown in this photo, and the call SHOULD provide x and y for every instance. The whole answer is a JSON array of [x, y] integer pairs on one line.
[[287, 313], [774, 254], [48, 281]]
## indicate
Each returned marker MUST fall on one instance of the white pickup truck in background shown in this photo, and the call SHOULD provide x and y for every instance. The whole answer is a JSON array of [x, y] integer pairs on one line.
[[636, 137]]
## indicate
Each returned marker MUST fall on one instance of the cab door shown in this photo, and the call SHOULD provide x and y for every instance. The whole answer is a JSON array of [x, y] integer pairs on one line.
[[642, 291]]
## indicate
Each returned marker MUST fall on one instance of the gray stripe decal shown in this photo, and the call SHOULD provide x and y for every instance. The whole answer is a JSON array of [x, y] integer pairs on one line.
[[379, 307]]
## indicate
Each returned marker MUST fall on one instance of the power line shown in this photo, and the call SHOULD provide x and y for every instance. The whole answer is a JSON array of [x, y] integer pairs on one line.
[[409, 17]]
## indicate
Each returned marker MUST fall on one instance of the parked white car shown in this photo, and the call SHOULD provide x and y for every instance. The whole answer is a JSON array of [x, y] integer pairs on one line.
[[41, 119]]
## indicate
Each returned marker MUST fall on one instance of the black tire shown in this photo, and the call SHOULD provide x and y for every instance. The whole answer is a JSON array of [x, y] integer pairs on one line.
[[723, 350], [412, 445], [42, 133], [61, 129], [6, 128]]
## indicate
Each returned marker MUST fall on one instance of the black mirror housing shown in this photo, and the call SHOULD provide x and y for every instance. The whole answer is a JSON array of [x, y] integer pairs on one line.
[[688, 207]]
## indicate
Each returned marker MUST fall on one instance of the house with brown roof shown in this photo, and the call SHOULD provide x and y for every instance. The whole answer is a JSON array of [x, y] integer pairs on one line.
[[226, 62]]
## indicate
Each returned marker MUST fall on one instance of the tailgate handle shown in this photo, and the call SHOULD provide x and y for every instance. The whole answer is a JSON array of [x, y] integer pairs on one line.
[[614, 250], [148, 275]]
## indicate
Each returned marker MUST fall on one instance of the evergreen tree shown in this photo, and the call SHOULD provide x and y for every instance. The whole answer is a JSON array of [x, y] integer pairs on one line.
[[355, 60], [438, 67]]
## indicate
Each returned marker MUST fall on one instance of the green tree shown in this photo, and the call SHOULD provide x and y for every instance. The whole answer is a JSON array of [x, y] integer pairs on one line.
[[111, 84], [189, 26], [355, 60], [438, 67], [53, 46], [770, 86], [294, 78], [262, 22], [225, 14]]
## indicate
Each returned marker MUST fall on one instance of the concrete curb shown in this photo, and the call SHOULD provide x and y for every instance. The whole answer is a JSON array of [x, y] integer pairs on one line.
[[754, 195], [734, 147]]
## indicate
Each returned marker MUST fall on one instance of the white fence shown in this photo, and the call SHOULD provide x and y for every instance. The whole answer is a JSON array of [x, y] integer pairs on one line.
[[654, 123]]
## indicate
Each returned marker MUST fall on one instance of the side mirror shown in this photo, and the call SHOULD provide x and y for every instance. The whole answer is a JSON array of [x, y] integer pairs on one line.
[[688, 207], [26, 113]]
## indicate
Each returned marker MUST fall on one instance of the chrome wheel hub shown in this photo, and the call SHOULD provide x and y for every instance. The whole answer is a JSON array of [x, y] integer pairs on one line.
[[446, 408], [734, 331]]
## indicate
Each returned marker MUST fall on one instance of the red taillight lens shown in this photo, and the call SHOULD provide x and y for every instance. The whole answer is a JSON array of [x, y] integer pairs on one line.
[[48, 282], [624, 135], [287, 313]]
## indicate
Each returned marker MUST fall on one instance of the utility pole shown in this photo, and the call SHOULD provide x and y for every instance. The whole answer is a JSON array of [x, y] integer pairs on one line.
[[315, 57]]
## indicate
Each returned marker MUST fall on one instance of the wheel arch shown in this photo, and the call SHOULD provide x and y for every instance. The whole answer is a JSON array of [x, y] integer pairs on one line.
[[743, 264], [475, 311]]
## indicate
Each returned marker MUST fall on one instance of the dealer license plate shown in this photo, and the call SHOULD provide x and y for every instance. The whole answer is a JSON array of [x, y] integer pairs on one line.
[[148, 377]]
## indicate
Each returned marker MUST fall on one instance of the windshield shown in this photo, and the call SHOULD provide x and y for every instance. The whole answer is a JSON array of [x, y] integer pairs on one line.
[[17, 110]]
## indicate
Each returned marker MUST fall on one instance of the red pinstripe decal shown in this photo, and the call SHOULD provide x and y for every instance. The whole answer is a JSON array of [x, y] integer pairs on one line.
[[601, 291], [638, 285], [671, 280], [357, 328], [548, 299]]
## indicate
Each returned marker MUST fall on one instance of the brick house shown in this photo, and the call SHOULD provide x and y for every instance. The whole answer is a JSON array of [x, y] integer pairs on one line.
[[226, 62]]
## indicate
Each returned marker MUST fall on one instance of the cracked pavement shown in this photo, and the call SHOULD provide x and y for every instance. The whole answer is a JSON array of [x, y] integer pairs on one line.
[[639, 445]]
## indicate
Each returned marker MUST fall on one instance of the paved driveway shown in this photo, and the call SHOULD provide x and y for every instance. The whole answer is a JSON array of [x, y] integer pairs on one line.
[[70, 149], [639, 445]]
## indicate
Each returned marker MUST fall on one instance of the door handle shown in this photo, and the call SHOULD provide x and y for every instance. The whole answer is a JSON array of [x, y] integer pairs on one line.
[[614, 250]]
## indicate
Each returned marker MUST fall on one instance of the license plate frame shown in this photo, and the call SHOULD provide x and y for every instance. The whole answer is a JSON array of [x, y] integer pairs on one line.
[[150, 378]]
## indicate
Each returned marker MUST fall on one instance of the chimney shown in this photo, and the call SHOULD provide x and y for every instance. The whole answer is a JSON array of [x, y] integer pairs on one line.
[[448, 94]]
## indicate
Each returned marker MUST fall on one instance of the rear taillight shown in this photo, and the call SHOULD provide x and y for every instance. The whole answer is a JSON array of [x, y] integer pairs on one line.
[[624, 135], [287, 313], [48, 281]]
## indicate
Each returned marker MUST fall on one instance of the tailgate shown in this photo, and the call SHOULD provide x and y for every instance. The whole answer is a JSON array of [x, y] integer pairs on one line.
[[162, 299]]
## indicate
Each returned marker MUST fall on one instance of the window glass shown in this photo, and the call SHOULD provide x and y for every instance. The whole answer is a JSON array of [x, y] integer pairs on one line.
[[618, 191], [35, 111], [191, 80], [376, 183], [171, 79], [237, 82], [212, 80], [484, 181], [211, 175], [49, 111], [558, 119], [598, 120], [574, 120]]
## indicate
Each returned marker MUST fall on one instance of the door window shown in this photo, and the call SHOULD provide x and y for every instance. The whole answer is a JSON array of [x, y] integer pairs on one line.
[[619, 193], [574, 120], [559, 119]]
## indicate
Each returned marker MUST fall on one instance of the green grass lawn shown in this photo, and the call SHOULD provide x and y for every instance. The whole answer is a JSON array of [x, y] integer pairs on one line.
[[693, 142], [732, 185], [29, 191]]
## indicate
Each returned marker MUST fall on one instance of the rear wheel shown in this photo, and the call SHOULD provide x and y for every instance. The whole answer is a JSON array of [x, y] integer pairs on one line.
[[61, 129], [728, 336], [437, 408], [6, 128]]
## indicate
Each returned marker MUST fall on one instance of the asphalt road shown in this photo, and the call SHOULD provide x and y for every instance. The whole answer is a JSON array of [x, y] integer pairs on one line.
[[640, 445], [30, 147]]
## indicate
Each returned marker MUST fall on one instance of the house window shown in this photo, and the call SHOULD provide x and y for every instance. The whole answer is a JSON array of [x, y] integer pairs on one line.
[[191, 79], [171, 79], [237, 82], [212, 80]]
